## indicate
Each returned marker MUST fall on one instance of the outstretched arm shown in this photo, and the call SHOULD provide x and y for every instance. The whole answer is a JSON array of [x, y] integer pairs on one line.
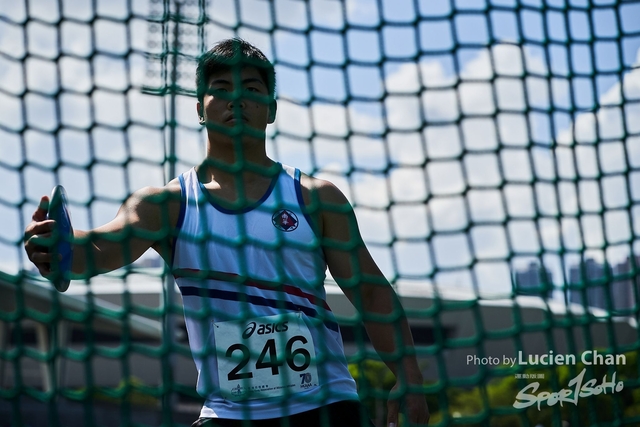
[[355, 271], [144, 220]]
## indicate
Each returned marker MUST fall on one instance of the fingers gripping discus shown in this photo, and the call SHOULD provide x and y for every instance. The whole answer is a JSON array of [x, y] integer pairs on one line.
[[63, 236]]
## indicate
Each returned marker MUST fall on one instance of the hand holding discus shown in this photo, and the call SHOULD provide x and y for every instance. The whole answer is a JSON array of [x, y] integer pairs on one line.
[[62, 238], [49, 237]]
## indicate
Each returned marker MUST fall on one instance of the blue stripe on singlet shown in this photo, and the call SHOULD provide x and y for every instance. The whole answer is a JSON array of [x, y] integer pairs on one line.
[[252, 299]]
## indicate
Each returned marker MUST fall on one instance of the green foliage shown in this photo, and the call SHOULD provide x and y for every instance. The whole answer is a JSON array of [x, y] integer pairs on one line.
[[374, 380], [130, 390], [374, 374]]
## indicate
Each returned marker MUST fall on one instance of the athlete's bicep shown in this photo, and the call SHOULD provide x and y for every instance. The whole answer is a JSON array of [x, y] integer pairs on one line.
[[348, 258]]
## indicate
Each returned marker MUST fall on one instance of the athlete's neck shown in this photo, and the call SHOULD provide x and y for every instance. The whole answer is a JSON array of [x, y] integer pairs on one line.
[[229, 182], [224, 174], [232, 171], [235, 156]]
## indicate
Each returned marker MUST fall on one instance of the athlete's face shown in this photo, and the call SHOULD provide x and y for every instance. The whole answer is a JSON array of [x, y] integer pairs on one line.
[[237, 102]]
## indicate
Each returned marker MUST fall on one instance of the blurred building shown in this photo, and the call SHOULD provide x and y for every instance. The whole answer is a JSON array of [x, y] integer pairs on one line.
[[625, 286], [536, 280], [600, 285]]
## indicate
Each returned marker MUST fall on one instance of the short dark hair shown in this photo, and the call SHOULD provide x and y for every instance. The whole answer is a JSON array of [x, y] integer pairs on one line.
[[233, 52]]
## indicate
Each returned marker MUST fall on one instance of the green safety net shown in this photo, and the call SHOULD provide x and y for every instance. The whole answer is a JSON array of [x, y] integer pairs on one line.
[[491, 150]]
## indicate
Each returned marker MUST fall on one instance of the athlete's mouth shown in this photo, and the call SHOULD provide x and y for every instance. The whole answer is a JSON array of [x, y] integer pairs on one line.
[[233, 119]]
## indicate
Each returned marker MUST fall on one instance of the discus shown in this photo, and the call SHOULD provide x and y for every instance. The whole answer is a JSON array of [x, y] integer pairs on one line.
[[63, 237]]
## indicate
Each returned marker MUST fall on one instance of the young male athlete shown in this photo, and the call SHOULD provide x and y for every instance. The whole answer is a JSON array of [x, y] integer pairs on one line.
[[248, 241]]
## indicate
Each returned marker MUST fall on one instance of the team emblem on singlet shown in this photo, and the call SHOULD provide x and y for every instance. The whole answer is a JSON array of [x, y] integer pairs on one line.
[[285, 220]]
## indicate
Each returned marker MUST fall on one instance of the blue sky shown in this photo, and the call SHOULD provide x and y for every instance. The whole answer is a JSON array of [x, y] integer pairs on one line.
[[460, 102]]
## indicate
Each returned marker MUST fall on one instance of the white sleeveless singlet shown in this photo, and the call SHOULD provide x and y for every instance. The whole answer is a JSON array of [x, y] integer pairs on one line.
[[264, 341]]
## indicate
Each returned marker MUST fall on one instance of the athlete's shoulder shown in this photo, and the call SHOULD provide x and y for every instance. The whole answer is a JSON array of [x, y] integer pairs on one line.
[[155, 207], [334, 215], [316, 190], [167, 193]]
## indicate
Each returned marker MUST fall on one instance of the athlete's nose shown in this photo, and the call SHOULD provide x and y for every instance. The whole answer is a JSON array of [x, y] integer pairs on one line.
[[238, 101]]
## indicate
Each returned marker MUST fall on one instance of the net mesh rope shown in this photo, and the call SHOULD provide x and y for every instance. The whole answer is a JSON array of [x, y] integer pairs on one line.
[[491, 150]]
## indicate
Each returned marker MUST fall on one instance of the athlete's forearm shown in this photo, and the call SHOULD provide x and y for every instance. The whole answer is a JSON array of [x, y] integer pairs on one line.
[[88, 259], [93, 254], [382, 337], [393, 336]]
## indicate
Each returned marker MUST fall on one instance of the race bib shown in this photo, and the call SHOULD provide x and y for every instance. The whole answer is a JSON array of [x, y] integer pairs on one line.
[[265, 357]]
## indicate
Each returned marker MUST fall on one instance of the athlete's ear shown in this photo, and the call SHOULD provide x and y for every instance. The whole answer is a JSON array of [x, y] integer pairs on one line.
[[273, 107], [200, 113]]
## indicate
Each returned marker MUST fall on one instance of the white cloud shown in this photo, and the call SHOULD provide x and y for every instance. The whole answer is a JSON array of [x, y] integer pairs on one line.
[[406, 79], [403, 112], [448, 214], [407, 185], [11, 79], [440, 106], [486, 205], [76, 38], [405, 148], [592, 160], [363, 12], [327, 13], [489, 242], [608, 120], [291, 14], [370, 189], [10, 112], [293, 119], [374, 225], [329, 119], [513, 128], [368, 152]]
